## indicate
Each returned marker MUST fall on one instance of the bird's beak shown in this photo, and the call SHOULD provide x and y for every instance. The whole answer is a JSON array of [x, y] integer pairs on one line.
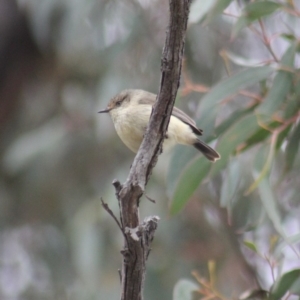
[[106, 110]]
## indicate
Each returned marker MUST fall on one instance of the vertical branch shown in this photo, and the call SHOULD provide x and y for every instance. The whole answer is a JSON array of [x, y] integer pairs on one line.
[[138, 236]]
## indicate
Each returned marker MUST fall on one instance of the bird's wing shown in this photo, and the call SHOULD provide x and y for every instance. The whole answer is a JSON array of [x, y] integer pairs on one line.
[[186, 119], [150, 99]]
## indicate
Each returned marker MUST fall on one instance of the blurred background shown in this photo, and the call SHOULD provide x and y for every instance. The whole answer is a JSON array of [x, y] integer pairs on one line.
[[60, 63]]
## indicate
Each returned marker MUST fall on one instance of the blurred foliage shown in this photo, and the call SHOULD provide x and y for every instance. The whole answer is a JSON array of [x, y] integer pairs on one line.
[[234, 223], [253, 115]]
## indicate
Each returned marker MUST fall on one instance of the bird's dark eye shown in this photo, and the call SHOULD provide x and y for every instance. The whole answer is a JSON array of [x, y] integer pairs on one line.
[[118, 103]]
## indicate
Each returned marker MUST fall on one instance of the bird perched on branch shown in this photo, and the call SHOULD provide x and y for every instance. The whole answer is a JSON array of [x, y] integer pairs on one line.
[[130, 111]]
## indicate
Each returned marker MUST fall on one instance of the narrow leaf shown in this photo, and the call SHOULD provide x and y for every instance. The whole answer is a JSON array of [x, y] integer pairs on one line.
[[281, 85], [238, 133], [285, 283], [234, 117], [240, 24], [252, 12], [261, 134], [230, 184], [243, 61], [292, 147], [266, 167], [199, 9], [251, 246], [181, 156], [291, 240], [293, 104], [256, 10], [269, 202], [231, 86], [218, 8], [190, 179], [207, 122], [184, 289]]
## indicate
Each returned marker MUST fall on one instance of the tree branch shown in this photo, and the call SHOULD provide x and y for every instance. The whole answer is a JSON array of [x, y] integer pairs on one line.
[[139, 236]]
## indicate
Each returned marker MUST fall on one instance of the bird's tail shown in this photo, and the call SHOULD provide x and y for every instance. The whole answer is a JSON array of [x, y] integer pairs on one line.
[[207, 151]]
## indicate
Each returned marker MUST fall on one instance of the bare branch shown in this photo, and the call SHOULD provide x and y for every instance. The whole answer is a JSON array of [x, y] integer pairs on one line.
[[138, 237]]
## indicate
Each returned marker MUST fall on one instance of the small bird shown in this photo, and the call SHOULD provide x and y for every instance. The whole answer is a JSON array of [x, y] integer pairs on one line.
[[130, 111]]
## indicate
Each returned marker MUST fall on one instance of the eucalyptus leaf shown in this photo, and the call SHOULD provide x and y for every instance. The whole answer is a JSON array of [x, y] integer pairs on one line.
[[251, 246], [289, 281], [207, 123], [183, 290], [239, 25], [282, 136], [181, 156], [234, 116], [199, 8], [264, 167], [189, 180], [259, 9], [218, 7], [243, 61], [231, 86], [293, 239], [281, 85], [230, 184], [238, 133], [260, 135], [292, 147], [293, 105], [269, 202], [252, 12]]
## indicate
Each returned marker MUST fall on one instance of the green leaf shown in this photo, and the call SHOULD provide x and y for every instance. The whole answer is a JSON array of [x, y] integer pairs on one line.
[[269, 202], [218, 7], [289, 281], [199, 9], [230, 184], [190, 179], [295, 288], [238, 133], [296, 87], [260, 135], [291, 240], [181, 156], [231, 86], [252, 12], [251, 246], [281, 85], [209, 106], [266, 192], [265, 166], [259, 9], [292, 105], [288, 37], [277, 94], [240, 24], [236, 115], [282, 136], [207, 122], [243, 61], [184, 289], [292, 147]]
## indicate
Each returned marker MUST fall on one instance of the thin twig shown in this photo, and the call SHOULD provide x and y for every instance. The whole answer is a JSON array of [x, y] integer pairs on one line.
[[106, 207], [150, 199]]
